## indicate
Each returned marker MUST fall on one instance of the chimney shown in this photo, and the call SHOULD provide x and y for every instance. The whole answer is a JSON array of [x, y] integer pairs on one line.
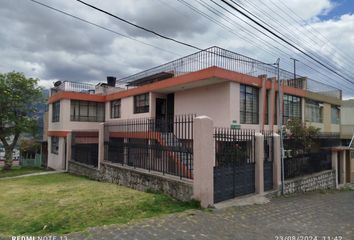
[[111, 81]]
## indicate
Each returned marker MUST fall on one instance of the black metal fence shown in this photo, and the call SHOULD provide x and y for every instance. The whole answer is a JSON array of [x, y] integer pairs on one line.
[[307, 164], [299, 161], [164, 145], [268, 159], [84, 148]]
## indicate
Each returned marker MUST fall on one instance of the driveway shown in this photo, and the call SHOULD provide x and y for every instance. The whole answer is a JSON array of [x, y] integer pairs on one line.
[[312, 214]]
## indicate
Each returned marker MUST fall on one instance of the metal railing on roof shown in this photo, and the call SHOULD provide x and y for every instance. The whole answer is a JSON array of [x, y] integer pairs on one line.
[[68, 86], [218, 57]]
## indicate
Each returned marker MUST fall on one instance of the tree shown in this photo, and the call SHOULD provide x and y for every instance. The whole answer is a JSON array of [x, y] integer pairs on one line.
[[300, 138], [18, 96], [29, 147]]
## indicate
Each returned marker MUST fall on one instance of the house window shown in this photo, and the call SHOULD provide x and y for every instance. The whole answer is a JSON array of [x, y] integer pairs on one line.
[[313, 111], [54, 145], [292, 108], [141, 103], [248, 105], [56, 111], [335, 115], [115, 109], [87, 111]]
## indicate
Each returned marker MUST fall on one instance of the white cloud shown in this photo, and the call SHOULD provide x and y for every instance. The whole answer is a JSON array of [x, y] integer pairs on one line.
[[52, 46]]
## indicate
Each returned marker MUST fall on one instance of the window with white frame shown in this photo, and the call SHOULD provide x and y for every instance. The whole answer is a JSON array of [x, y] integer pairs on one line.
[[141, 103], [292, 108], [115, 108], [56, 111], [249, 105], [87, 111], [335, 114], [54, 145], [313, 111]]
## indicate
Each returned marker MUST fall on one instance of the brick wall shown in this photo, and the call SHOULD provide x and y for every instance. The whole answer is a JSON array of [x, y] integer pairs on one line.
[[138, 179], [318, 181]]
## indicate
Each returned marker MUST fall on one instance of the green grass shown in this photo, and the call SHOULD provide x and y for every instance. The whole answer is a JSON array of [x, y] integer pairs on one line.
[[62, 203], [17, 171]]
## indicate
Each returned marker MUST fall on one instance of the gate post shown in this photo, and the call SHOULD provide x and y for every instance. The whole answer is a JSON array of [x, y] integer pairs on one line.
[[203, 161], [276, 162], [343, 174], [100, 145], [259, 159], [334, 159]]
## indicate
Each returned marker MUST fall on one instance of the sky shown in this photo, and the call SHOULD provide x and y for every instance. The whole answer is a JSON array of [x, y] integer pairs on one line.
[[51, 46]]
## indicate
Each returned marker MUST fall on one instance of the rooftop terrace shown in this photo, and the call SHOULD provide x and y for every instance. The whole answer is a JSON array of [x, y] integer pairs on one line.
[[210, 57], [215, 56]]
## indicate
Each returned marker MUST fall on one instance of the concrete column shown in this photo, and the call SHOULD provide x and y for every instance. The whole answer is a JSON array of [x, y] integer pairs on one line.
[[259, 158], [203, 161], [303, 107], [276, 162], [335, 165], [342, 167], [68, 150], [100, 145], [262, 102]]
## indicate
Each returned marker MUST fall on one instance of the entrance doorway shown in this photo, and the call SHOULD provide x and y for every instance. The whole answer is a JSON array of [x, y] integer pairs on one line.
[[165, 113]]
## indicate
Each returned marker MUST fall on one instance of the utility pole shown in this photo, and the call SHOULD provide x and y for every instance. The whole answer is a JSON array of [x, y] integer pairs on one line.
[[295, 60], [280, 123]]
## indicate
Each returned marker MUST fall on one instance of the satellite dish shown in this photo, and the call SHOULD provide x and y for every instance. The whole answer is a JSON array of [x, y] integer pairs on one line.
[[57, 83]]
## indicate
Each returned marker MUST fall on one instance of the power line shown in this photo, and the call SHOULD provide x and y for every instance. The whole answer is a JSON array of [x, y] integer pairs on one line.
[[230, 30], [161, 35], [107, 29], [99, 26], [324, 40], [270, 37], [283, 39], [271, 18], [140, 27], [309, 45]]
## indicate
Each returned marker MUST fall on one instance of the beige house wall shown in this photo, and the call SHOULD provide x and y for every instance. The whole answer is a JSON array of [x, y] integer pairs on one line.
[[326, 125], [213, 101], [326, 117], [56, 161], [347, 119], [65, 124], [127, 108]]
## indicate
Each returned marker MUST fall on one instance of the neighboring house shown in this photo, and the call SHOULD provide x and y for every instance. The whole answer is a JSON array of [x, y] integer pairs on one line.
[[347, 120], [215, 82]]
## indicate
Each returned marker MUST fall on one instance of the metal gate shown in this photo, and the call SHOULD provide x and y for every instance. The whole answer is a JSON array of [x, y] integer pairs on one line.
[[268, 160], [234, 171], [84, 148]]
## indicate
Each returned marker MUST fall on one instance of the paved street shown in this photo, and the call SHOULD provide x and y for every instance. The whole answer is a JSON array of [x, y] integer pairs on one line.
[[313, 214]]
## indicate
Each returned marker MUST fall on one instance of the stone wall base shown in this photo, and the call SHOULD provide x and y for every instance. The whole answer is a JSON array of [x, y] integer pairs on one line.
[[318, 181], [138, 179]]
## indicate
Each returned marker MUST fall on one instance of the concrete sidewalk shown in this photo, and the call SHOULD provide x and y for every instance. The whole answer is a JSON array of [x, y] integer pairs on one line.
[[33, 174], [313, 214]]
